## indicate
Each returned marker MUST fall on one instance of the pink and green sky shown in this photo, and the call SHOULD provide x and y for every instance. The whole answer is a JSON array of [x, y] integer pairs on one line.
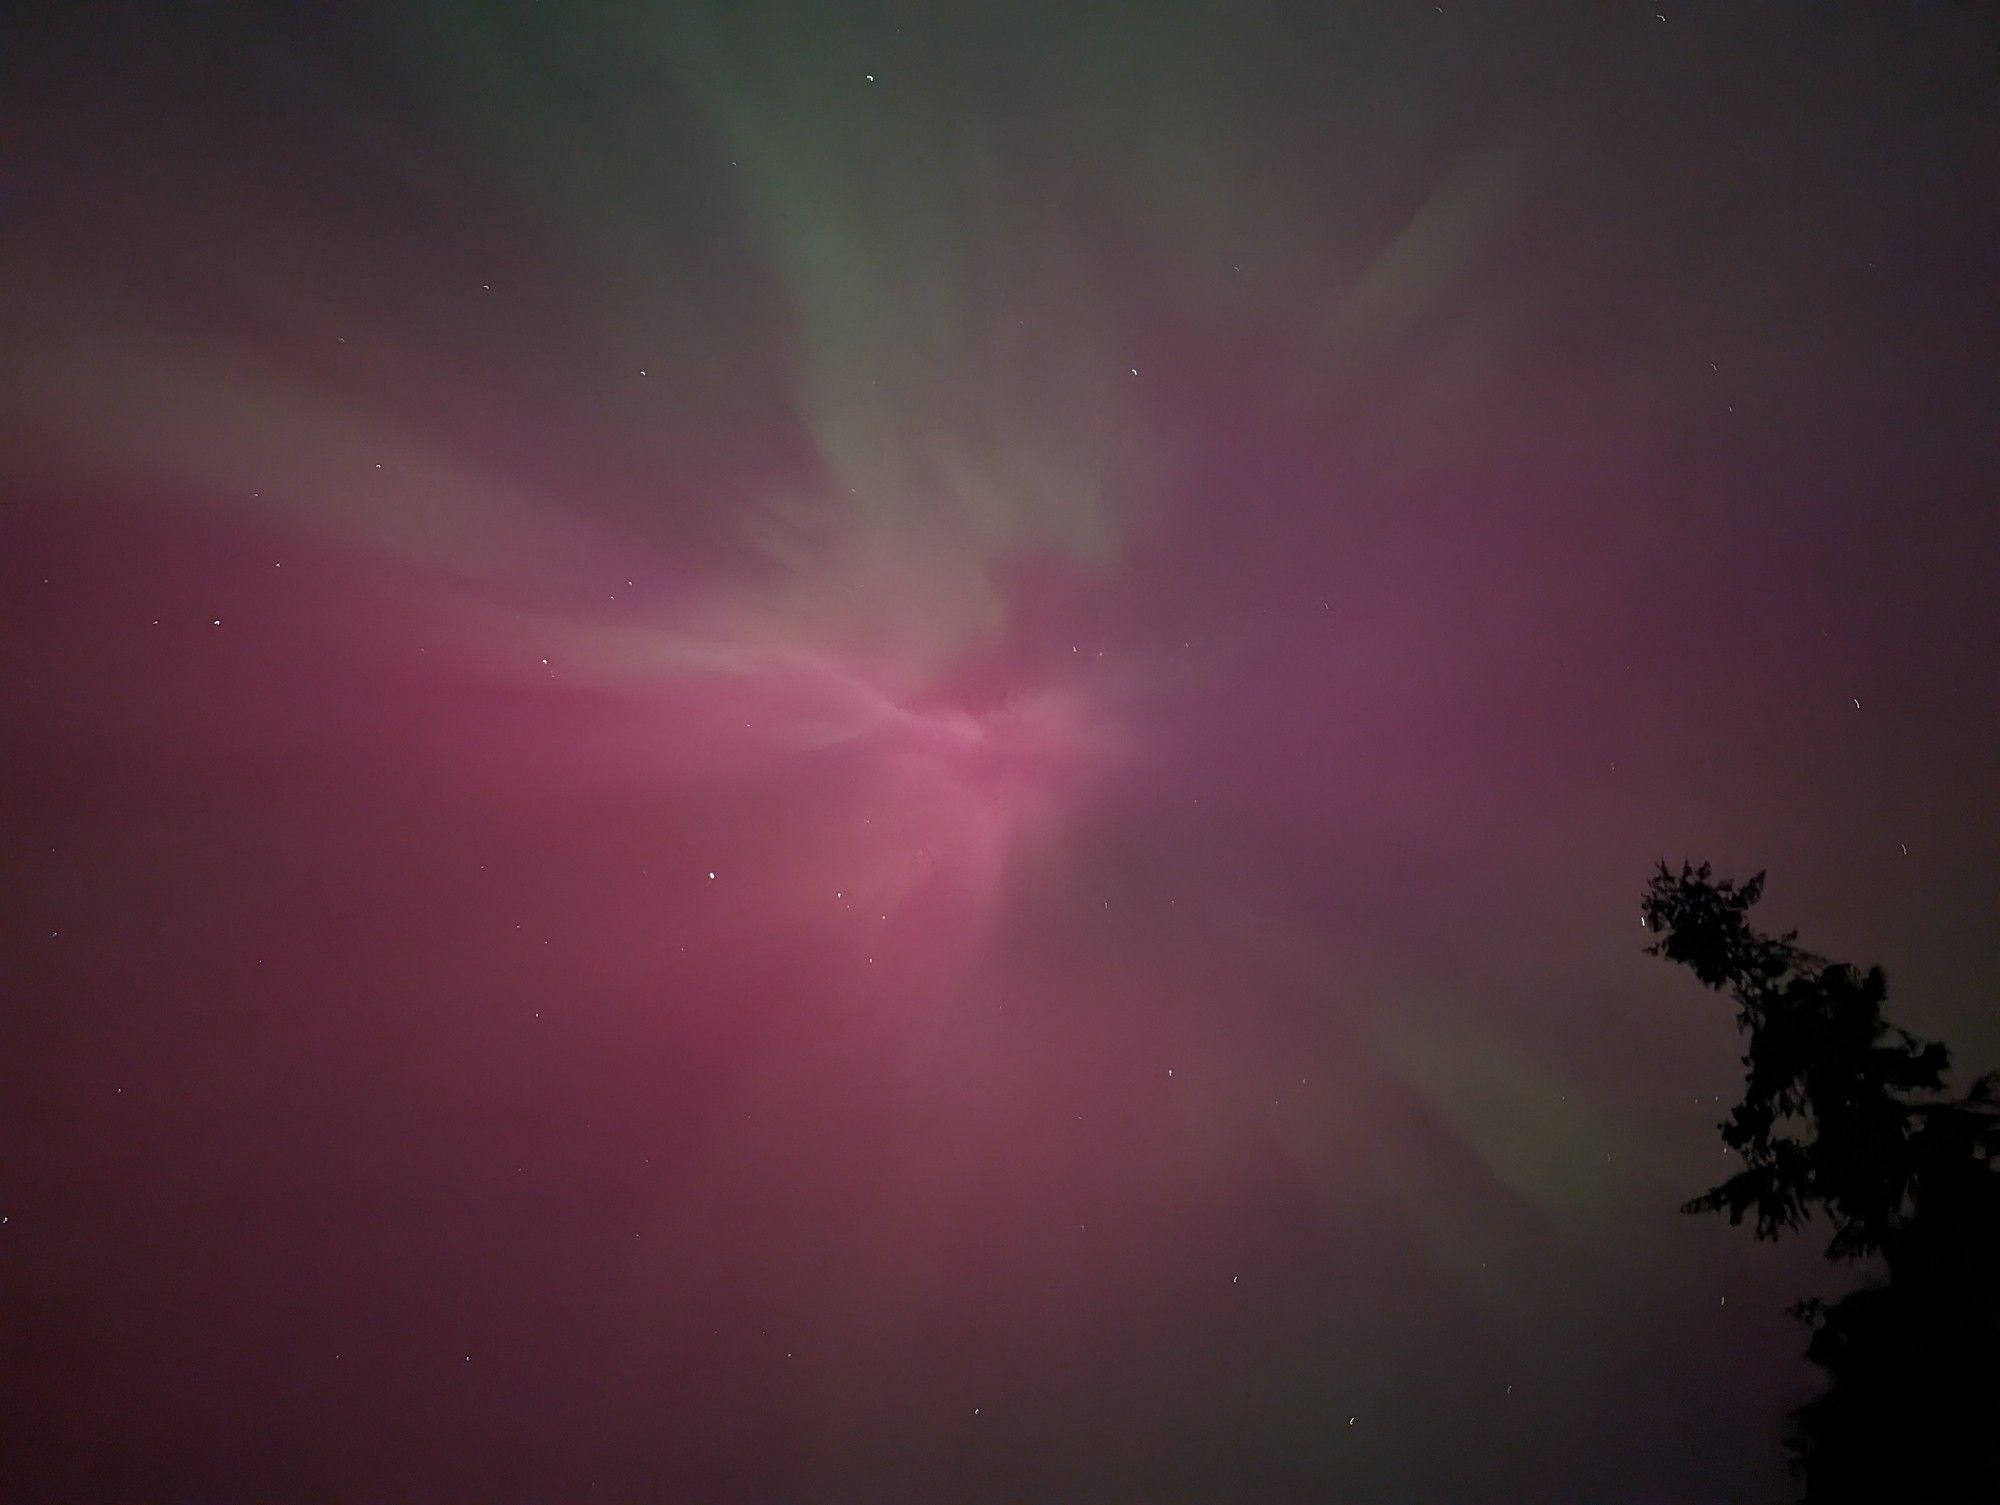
[[903, 752]]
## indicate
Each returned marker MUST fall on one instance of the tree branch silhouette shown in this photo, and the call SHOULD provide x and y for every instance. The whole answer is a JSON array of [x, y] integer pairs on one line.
[[1845, 1116]]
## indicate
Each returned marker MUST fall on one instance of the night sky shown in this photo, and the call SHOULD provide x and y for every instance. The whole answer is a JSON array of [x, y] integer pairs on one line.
[[904, 753]]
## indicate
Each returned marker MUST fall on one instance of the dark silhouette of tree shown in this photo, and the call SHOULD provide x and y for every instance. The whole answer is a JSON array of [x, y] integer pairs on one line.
[[1844, 1117]]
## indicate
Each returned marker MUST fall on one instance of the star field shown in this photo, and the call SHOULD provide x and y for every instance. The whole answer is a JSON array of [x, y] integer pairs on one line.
[[902, 754]]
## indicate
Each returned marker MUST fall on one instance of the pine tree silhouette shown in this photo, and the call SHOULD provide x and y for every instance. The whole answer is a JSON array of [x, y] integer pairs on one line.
[[1843, 1116]]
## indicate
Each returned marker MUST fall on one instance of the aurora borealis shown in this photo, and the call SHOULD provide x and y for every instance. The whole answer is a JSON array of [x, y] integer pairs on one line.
[[903, 753]]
